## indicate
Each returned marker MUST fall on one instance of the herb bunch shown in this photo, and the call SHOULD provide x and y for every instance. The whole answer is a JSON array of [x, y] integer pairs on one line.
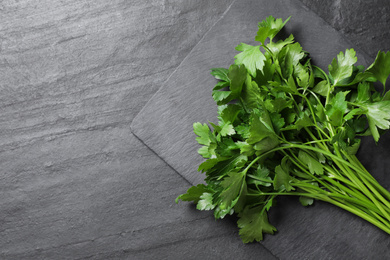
[[286, 127]]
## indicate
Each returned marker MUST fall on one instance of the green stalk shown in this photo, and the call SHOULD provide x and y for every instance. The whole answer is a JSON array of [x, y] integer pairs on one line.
[[314, 117], [327, 79], [346, 170], [369, 177], [349, 191], [361, 213], [368, 183], [337, 160], [339, 196], [302, 167], [351, 209], [349, 174], [380, 218], [259, 179]]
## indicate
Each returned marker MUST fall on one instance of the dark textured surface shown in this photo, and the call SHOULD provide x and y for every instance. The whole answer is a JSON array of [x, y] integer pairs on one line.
[[365, 23], [165, 125], [74, 182]]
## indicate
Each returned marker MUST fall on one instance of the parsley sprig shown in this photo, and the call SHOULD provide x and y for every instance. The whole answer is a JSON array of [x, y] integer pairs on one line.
[[286, 127]]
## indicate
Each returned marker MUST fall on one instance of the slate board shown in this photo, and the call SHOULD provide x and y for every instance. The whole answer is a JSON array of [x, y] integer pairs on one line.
[[165, 125]]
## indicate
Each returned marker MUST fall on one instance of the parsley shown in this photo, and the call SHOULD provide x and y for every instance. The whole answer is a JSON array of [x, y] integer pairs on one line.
[[286, 127]]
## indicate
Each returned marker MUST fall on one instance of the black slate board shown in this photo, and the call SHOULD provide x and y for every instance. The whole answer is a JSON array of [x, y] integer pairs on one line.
[[165, 125]]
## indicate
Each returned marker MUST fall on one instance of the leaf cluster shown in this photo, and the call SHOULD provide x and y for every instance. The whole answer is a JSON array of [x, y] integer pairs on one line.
[[286, 127]]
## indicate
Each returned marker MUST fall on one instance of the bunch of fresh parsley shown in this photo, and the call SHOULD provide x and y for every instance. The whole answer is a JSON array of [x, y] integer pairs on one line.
[[286, 127]]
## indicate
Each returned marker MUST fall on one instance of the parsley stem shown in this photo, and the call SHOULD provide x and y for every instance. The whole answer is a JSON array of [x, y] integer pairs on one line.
[[327, 79], [371, 180], [362, 215], [347, 170], [259, 179], [375, 219], [359, 212], [368, 176], [361, 185], [317, 141], [243, 105], [314, 116], [347, 189], [315, 189], [300, 165]]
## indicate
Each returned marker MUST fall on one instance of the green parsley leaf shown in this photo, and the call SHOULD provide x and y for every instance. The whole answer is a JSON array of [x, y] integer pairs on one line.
[[193, 194], [203, 133], [290, 57], [278, 104], [303, 120], [205, 202], [258, 130], [222, 97], [313, 164], [224, 167], [337, 108], [343, 67], [237, 75], [378, 115], [251, 57], [261, 177], [230, 112], [322, 88], [232, 187], [253, 223], [269, 28], [245, 148], [306, 201], [210, 163], [282, 179], [275, 48], [381, 67], [227, 129], [251, 94], [220, 73], [364, 94]]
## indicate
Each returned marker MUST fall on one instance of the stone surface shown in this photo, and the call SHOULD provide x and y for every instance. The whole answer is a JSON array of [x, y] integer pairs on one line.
[[364, 23], [103, 205], [75, 183], [85, 64], [165, 125]]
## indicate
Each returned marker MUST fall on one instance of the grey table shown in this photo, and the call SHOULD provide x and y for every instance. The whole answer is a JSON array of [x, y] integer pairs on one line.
[[75, 183]]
